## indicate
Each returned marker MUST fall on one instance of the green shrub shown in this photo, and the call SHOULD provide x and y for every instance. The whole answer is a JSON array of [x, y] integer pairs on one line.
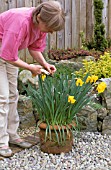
[[100, 68], [98, 41]]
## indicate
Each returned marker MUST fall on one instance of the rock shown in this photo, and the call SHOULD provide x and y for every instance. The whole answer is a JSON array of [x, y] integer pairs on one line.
[[102, 113], [24, 77], [99, 126], [106, 127], [89, 58], [88, 118], [25, 111], [107, 93], [74, 66]]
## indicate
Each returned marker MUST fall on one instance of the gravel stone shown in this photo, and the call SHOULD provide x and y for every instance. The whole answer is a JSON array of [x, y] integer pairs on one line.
[[90, 151]]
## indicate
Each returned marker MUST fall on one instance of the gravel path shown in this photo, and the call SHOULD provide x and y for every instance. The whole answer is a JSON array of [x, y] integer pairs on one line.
[[91, 151]]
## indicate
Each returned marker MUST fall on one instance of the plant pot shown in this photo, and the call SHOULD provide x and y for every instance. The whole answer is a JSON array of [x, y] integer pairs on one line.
[[52, 146]]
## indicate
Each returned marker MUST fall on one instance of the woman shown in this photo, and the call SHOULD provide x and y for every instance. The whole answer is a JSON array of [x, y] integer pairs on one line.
[[22, 28]]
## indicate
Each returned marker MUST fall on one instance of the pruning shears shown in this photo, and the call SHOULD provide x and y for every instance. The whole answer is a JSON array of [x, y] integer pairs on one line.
[[43, 71]]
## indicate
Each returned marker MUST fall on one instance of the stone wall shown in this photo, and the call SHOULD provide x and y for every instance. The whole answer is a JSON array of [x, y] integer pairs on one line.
[[25, 111], [106, 102]]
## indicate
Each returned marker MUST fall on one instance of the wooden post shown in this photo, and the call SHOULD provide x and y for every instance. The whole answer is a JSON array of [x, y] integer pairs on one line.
[[3, 6], [82, 19], [89, 19], [61, 34], [109, 19], [36, 2], [20, 3], [105, 16], [68, 29], [28, 3], [12, 4], [75, 23]]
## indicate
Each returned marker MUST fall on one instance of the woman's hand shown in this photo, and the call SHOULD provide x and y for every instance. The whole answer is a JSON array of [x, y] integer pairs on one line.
[[35, 69], [40, 59], [50, 68]]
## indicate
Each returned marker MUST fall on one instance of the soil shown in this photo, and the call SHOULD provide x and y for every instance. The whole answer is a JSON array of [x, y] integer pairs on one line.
[[51, 146]]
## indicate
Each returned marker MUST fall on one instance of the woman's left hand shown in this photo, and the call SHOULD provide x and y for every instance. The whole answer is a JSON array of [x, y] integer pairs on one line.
[[50, 68]]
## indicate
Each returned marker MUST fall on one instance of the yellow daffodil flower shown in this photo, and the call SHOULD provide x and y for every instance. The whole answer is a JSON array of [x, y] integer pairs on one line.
[[43, 76], [94, 78], [71, 99], [79, 82], [101, 87], [88, 79], [91, 79]]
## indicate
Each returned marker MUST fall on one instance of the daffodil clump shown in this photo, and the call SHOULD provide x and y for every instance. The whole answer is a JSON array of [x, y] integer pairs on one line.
[[100, 68], [90, 79], [100, 87], [59, 100]]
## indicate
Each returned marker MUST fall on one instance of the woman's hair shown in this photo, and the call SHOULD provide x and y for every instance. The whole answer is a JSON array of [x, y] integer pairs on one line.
[[51, 14]]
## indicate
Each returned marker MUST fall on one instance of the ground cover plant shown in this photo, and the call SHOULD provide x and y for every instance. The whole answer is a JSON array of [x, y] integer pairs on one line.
[[100, 68]]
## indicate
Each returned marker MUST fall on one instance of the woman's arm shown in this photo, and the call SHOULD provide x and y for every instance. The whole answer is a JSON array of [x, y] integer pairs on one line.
[[35, 69], [40, 59]]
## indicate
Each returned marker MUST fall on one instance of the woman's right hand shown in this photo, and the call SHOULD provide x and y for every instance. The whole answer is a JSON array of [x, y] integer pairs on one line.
[[35, 69]]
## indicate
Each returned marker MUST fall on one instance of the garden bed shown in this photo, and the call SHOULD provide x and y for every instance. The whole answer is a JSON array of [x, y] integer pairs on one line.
[[61, 54]]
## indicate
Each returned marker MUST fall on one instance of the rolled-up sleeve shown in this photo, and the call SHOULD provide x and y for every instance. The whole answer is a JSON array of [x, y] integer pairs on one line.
[[39, 44]]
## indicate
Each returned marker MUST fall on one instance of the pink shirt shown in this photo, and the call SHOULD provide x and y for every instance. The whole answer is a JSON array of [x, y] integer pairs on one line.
[[17, 32]]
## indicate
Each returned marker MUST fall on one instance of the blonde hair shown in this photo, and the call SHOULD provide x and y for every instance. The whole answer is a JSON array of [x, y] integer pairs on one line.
[[51, 13]]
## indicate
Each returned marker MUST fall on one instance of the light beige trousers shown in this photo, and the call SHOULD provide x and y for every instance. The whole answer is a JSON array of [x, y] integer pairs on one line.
[[9, 119]]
